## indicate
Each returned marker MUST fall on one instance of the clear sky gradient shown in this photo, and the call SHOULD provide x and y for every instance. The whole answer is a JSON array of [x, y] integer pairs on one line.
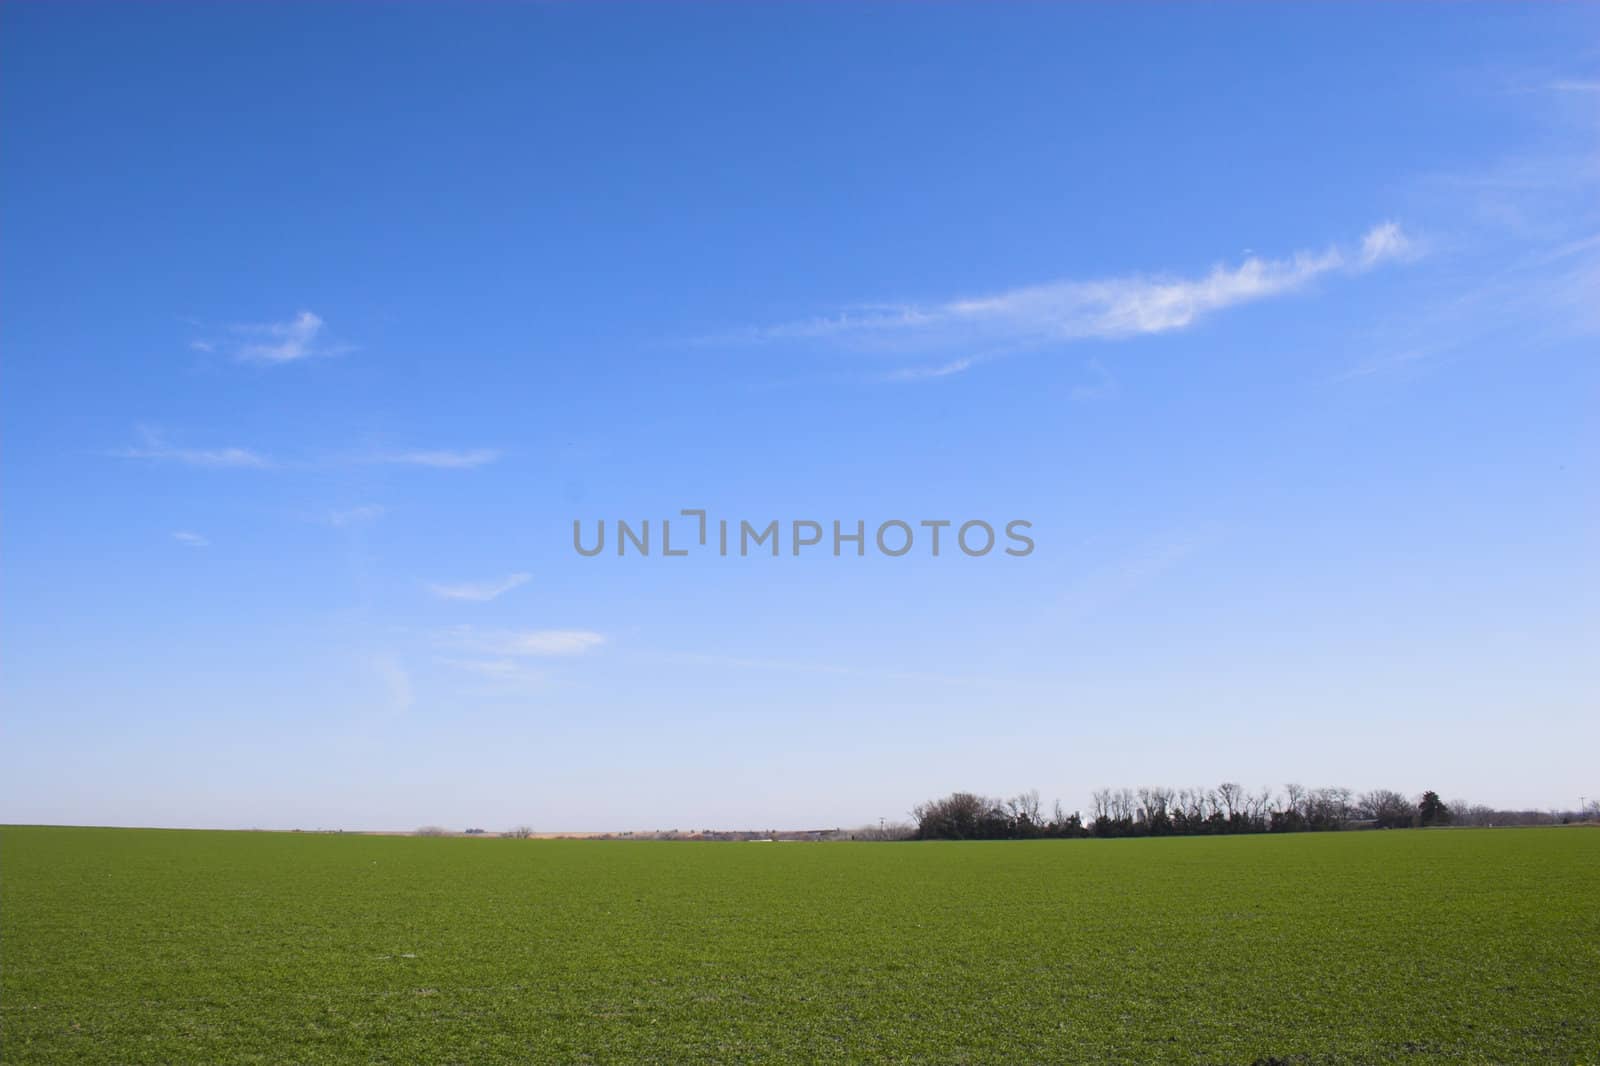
[[320, 325]]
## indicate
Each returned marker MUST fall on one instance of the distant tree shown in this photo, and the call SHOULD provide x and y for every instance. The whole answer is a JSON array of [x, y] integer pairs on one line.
[[1230, 794], [1022, 811], [1155, 806], [1114, 813], [519, 832], [1067, 825], [958, 816], [1291, 815], [1431, 810], [1193, 810], [969, 816], [1228, 808], [1388, 808], [1334, 807], [883, 831], [1100, 820]]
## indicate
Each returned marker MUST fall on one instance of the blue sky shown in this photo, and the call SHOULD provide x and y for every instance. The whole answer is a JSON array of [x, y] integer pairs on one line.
[[321, 325]]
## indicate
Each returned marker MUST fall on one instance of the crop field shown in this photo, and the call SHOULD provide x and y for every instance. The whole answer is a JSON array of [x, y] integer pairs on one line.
[[145, 946]]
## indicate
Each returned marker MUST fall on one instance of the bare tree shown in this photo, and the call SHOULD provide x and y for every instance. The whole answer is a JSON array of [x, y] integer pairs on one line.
[[1388, 808], [519, 832], [1230, 794], [958, 816], [1154, 810], [1024, 807], [1155, 807]]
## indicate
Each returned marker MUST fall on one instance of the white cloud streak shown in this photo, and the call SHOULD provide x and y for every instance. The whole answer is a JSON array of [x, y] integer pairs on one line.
[[923, 373], [284, 342], [439, 459], [479, 591], [193, 540], [269, 343], [1385, 242], [1067, 311], [525, 643], [1523, 235], [497, 669], [356, 516], [153, 447]]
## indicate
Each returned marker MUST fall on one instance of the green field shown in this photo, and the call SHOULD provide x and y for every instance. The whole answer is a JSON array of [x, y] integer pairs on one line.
[[138, 946]]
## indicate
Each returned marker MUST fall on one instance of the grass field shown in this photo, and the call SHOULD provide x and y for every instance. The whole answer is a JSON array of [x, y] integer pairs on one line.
[[141, 946]]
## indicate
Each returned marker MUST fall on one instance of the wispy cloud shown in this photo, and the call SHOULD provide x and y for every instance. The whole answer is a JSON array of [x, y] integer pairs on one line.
[[1521, 302], [1102, 587], [1103, 386], [479, 591], [1385, 242], [300, 337], [924, 373], [393, 681], [153, 447], [1390, 361], [193, 540], [439, 459], [723, 663], [1522, 233], [284, 342], [496, 669], [356, 516], [1073, 310], [524, 643]]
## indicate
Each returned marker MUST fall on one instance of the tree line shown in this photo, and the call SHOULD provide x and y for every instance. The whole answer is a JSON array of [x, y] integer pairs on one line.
[[1227, 808]]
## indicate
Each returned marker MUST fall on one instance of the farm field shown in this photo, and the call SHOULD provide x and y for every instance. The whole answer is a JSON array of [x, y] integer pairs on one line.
[[147, 946]]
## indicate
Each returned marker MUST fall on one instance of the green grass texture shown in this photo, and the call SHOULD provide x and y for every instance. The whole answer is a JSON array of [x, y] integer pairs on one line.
[[154, 946]]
